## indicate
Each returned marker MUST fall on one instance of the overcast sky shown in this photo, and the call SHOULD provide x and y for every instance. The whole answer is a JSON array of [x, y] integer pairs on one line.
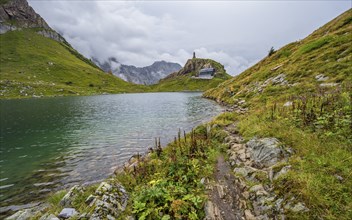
[[235, 33]]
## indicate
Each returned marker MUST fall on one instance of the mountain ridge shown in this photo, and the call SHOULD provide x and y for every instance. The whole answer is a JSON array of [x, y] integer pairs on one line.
[[36, 61], [139, 75], [17, 14]]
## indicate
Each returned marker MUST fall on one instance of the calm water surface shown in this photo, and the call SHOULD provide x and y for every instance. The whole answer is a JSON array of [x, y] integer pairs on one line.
[[50, 143]]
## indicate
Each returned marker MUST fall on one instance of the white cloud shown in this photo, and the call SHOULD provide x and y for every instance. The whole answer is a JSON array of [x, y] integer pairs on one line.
[[235, 33]]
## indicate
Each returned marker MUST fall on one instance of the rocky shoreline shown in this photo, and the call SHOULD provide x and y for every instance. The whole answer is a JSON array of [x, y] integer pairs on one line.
[[248, 191], [256, 164]]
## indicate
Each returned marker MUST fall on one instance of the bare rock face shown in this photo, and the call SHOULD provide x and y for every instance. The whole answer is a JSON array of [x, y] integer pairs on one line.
[[23, 14], [66, 201], [194, 66], [147, 75], [266, 151], [18, 14]]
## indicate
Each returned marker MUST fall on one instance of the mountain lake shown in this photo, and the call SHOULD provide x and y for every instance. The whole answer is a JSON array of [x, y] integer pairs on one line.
[[52, 143]]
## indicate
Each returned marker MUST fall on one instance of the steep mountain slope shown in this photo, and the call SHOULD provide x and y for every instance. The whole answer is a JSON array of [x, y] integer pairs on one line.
[[301, 95], [139, 75], [37, 61], [321, 59], [17, 14], [184, 80]]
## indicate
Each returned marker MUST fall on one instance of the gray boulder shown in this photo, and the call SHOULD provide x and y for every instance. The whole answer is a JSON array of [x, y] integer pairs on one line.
[[266, 152], [22, 215], [67, 213], [66, 201], [110, 200]]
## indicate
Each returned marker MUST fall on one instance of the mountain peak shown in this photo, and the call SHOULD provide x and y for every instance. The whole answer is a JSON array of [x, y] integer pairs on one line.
[[17, 14], [193, 66], [21, 14], [139, 75]]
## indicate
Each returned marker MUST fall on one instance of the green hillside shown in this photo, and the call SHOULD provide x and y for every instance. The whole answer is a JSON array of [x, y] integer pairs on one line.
[[183, 81], [33, 65], [327, 51], [302, 95]]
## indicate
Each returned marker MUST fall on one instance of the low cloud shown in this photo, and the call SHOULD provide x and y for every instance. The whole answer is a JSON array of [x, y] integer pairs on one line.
[[236, 34]]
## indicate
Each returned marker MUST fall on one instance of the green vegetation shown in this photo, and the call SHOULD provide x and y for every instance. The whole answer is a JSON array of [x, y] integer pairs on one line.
[[321, 174], [33, 65], [185, 83], [311, 115], [326, 51], [166, 184], [2, 2]]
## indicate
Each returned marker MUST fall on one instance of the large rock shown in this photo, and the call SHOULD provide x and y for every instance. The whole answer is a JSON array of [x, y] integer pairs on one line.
[[22, 215], [18, 14], [28, 213], [266, 152], [22, 13], [68, 213], [66, 201], [109, 201]]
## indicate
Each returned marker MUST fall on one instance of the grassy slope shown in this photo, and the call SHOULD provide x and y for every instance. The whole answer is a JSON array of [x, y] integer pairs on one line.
[[166, 183], [25, 69], [186, 83], [326, 51], [318, 125]]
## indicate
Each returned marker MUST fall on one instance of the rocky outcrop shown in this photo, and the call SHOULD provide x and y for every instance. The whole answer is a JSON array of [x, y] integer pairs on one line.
[[18, 14], [147, 75], [67, 200], [109, 201], [28, 213], [21, 14], [193, 66], [256, 165]]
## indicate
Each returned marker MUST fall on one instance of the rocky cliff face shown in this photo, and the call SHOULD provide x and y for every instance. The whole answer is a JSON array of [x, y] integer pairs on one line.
[[193, 66], [17, 14], [139, 75]]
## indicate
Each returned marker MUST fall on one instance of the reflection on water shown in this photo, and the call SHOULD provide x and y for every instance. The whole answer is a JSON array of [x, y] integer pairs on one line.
[[52, 142]]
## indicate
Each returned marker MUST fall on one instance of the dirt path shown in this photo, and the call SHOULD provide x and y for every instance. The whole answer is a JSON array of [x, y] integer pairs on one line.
[[223, 194]]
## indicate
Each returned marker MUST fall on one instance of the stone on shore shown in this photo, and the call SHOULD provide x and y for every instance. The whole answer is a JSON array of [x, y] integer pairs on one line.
[[66, 201], [67, 213]]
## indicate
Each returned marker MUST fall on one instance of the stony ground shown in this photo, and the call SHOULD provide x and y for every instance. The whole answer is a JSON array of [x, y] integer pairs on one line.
[[241, 188], [247, 191], [223, 194]]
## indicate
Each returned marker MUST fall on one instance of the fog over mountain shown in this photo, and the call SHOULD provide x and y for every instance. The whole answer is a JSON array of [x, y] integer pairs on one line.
[[235, 33], [139, 75]]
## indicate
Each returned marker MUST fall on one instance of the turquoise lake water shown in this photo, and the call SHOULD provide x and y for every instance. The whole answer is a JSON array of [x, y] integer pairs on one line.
[[50, 143]]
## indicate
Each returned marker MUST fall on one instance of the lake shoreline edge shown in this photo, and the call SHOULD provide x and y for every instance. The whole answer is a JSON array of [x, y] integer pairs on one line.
[[36, 208]]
